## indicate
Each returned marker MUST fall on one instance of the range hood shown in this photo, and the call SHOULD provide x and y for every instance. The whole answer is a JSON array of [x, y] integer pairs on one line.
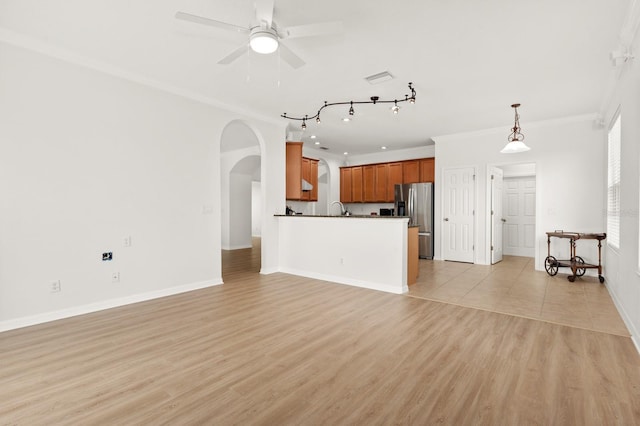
[[306, 186]]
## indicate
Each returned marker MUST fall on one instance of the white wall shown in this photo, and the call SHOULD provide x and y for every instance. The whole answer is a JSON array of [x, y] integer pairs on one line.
[[256, 209], [363, 252], [570, 178], [240, 208], [621, 271], [88, 159]]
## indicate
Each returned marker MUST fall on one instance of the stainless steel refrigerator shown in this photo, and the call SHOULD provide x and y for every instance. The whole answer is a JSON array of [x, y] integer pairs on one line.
[[415, 200]]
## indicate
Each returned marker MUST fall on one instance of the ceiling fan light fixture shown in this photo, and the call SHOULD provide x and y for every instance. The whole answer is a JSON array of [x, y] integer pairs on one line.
[[263, 40]]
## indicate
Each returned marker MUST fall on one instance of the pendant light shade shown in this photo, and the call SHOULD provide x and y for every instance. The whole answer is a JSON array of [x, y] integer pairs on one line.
[[516, 138]]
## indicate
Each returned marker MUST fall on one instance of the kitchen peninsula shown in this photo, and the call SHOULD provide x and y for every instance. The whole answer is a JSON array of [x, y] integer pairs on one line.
[[375, 252]]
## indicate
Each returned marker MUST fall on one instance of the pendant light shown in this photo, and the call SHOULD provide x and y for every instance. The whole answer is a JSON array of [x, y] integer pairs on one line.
[[516, 138]]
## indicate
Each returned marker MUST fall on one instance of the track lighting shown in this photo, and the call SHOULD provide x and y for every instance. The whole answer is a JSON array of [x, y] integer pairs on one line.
[[372, 100]]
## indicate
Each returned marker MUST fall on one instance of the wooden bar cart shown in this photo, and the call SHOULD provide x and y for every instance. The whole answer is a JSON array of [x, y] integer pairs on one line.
[[576, 263]]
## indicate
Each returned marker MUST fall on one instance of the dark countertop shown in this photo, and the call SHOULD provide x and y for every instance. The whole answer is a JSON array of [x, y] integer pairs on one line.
[[355, 216]]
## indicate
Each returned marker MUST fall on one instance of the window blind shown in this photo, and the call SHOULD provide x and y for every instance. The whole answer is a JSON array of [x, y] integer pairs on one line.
[[613, 184]]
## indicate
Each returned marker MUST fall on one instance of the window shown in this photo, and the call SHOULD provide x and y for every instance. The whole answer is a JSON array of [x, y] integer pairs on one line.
[[613, 184]]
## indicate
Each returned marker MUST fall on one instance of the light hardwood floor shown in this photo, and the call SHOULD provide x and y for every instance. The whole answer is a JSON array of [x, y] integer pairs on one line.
[[281, 349]]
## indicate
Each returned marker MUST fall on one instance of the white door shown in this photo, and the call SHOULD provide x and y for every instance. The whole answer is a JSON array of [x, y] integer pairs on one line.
[[458, 214], [519, 208], [497, 219]]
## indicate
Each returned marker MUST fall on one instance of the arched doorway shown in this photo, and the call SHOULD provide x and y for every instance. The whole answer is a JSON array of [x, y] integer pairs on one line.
[[241, 193]]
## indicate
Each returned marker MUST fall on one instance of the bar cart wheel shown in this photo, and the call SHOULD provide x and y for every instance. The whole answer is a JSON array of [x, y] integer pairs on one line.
[[551, 265], [601, 278], [571, 278], [580, 271]]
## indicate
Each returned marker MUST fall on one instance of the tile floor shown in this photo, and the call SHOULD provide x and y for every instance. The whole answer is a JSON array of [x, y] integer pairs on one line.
[[514, 287]]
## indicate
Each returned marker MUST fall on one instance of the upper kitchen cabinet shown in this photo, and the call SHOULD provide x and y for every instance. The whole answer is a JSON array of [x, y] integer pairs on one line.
[[294, 170], [382, 182], [369, 184], [310, 175], [411, 171], [427, 170], [302, 174], [357, 195], [346, 185], [395, 178], [375, 183]]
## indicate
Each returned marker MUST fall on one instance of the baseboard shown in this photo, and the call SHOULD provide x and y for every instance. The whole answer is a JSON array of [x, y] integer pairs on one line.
[[100, 306], [267, 271], [625, 317], [347, 281], [240, 247]]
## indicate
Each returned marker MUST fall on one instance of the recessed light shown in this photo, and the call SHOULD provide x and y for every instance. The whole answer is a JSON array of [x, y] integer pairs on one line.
[[313, 136], [317, 143], [384, 147], [346, 119], [346, 153]]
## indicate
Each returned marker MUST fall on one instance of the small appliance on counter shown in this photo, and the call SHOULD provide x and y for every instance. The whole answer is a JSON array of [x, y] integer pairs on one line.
[[386, 212]]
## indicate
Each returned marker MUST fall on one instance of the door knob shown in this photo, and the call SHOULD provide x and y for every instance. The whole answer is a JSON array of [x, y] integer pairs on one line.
[[446, 219], [503, 220]]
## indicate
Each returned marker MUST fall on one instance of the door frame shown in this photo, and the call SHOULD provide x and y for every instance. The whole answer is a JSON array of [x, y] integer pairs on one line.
[[493, 244], [487, 224], [438, 224]]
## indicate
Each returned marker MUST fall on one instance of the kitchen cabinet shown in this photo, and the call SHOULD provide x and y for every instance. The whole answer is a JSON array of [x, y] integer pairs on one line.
[[375, 183], [357, 195], [346, 193], [297, 169], [369, 184], [382, 182], [411, 171], [412, 255], [427, 170], [294, 170], [395, 178], [310, 174]]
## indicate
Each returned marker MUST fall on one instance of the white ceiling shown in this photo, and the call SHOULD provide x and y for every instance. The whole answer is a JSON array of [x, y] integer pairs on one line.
[[468, 59]]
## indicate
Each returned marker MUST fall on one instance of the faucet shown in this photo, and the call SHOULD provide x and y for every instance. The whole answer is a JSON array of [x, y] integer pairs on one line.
[[343, 211]]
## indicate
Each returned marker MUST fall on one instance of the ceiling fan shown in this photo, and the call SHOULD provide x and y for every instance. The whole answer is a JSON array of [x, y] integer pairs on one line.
[[265, 36]]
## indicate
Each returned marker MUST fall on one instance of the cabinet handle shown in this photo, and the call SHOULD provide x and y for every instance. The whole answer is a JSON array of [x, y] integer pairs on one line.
[[446, 219]]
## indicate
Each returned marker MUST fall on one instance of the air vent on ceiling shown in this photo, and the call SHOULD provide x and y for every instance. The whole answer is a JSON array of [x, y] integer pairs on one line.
[[381, 77], [325, 148]]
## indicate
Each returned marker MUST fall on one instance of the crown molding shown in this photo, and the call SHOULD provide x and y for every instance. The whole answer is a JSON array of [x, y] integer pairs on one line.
[[530, 125], [47, 49]]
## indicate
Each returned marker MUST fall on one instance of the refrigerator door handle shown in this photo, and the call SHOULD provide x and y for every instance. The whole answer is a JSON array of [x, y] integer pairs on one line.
[[411, 196]]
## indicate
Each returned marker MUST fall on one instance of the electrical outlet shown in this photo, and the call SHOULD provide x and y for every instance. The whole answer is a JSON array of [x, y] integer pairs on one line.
[[342, 260], [126, 241], [115, 277], [55, 286]]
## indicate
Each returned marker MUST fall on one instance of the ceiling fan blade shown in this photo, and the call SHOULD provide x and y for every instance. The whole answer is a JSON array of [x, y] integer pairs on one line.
[[264, 11], [210, 22], [289, 57], [233, 55], [312, 30]]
